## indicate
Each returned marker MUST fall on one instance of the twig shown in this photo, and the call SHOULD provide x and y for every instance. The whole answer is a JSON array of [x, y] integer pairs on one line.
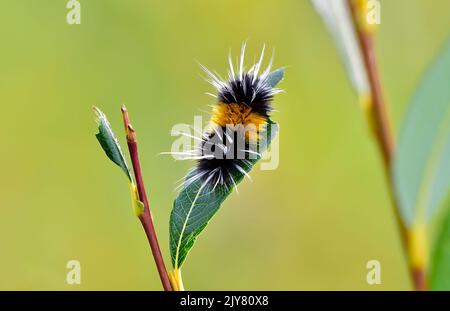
[[146, 217], [383, 132]]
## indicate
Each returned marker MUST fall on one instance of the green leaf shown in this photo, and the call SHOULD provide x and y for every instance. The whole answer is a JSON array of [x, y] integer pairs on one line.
[[421, 168], [110, 145], [440, 258], [337, 17], [275, 77], [109, 142], [196, 205]]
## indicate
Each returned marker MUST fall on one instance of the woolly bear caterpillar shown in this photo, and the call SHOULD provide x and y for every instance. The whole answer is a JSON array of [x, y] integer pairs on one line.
[[240, 114]]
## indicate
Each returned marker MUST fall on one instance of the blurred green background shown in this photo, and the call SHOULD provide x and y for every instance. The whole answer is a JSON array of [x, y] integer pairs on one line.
[[312, 224]]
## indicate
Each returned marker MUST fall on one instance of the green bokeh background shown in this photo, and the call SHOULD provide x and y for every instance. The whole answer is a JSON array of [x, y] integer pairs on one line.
[[312, 224]]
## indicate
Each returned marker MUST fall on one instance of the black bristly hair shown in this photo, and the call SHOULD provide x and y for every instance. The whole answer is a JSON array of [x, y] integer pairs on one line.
[[246, 91]]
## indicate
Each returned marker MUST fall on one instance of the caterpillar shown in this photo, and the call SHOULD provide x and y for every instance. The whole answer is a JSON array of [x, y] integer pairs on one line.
[[239, 116]]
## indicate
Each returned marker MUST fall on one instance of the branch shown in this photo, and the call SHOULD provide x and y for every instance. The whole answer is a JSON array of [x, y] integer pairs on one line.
[[382, 129], [146, 217]]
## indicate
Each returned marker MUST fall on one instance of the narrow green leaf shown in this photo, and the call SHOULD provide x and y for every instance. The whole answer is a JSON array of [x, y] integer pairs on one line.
[[440, 257], [422, 164], [196, 205], [109, 142], [275, 77], [111, 147], [421, 168], [337, 18]]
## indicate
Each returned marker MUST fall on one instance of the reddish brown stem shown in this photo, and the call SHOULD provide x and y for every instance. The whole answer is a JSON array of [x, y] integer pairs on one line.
[[381, 122], [383, 132], [420, 281], [146, 217]]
